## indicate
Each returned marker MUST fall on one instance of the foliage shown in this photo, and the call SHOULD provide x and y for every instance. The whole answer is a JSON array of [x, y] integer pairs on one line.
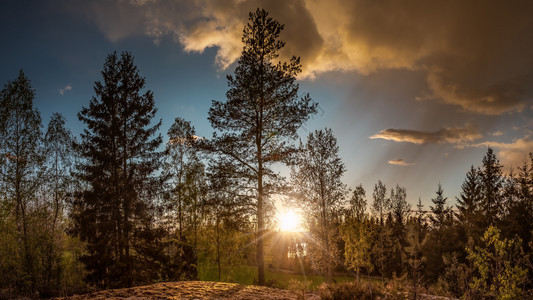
[[416, 231], [397, 288], [492, 183], [357, 236], [442, 237], [397, 223], [21, 169], [184, 193], [261, 115], [351, 290], [119, 159], [381, 204], [318, 185], [469, 215], [456, 276], [299, 287], [500, 267], [441, 213], [357, 208]]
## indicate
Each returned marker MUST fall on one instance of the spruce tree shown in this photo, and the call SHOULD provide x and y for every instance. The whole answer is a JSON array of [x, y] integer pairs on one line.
[[469, 205], [261, 116], [492, 183], [119, 160], [442, 237], [440, 213]]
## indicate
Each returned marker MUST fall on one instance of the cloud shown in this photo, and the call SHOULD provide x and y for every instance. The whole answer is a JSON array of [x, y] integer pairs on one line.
[[477, 58], [511, 154], [63, 90], [497, 133], [400, 162], [458, 136]]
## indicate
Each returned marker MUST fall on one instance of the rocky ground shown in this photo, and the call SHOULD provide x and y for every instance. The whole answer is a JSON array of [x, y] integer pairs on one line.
[[192, 290]]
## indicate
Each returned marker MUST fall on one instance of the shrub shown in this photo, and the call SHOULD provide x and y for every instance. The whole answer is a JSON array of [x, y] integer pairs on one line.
[[351, 290], [299, 287]]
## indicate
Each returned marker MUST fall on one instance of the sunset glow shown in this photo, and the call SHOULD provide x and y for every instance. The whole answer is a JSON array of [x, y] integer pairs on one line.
[[290, 221]]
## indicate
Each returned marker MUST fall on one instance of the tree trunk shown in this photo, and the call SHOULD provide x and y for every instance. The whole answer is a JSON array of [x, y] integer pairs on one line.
[[260, 229]]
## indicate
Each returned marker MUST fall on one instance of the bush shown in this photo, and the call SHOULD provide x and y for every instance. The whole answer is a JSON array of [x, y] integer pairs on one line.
[[351, 290], [299, 287], [398, 288]]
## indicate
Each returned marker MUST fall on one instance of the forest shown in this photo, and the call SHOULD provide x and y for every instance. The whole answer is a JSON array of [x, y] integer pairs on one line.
[[118, 207]]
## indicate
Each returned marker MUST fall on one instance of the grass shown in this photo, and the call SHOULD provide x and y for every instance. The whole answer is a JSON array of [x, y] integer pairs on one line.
[[247, 274]]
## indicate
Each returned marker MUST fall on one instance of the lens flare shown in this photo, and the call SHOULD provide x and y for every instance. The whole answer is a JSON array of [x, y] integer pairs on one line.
[[289, 221]]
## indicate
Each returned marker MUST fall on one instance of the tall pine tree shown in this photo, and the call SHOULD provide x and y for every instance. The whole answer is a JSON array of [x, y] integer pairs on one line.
[[120, 158], [261, 115]]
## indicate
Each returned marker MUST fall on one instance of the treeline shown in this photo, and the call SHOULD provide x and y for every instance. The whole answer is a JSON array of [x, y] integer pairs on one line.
[[116, 207], [479, 248]]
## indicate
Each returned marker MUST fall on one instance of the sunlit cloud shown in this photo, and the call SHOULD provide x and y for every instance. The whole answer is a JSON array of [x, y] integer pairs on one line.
[[63, 90], [478, 60], [400, 162], [458, 136], [497, 133], [511, 154]]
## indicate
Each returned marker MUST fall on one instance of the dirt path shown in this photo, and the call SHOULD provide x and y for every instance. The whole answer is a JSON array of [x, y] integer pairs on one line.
[[191, 290]]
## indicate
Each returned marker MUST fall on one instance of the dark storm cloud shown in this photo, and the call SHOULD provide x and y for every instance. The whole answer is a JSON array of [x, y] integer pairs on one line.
[[476, 54], [458, 136]]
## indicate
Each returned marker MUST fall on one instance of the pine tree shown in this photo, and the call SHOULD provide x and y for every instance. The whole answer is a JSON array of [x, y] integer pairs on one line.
[[120, 157], [261, 115]]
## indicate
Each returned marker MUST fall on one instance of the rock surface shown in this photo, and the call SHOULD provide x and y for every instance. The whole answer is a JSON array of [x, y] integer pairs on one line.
[[191, 290]]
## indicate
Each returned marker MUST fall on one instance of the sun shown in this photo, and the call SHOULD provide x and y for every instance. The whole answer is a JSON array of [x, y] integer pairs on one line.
[[289, 221]]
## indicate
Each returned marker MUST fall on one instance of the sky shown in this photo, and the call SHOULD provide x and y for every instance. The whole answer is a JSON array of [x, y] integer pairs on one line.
[[415, 91]]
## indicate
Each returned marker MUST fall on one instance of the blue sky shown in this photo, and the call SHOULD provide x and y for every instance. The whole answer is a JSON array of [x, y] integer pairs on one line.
[[414, 92]]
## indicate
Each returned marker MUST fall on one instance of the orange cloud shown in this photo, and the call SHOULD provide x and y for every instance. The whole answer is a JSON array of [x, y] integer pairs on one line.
[[511, 154], [458, 136], [400, 162]]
